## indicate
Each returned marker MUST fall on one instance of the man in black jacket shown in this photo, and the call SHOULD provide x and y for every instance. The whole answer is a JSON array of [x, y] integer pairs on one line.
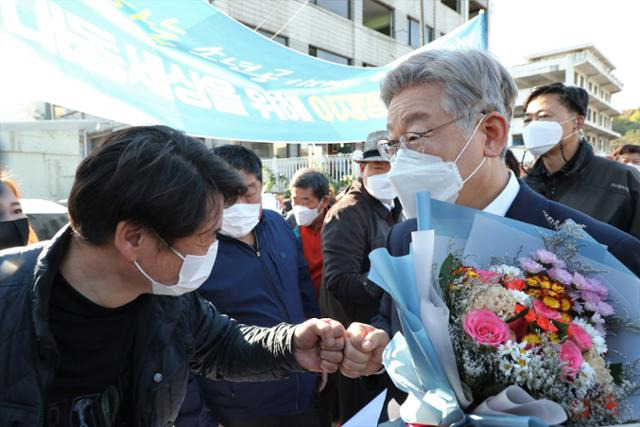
[[357, 224], [99, 326], [567, 170]]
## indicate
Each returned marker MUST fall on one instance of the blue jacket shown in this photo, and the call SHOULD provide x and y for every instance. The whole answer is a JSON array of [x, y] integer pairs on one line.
[[529, 207], [265, 286]]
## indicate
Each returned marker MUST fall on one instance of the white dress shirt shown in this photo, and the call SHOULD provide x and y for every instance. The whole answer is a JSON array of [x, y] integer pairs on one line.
[[501, 204]]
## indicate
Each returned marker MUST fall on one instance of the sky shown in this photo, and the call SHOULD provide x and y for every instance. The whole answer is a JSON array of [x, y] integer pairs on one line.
[[519, 28]]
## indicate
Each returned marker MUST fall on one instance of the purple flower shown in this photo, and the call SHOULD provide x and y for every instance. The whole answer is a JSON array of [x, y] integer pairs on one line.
[[580, 281], [546, 257], [598, 322], [561, 275], [530, 266], [590, 296], [604, 309], [598, 287]]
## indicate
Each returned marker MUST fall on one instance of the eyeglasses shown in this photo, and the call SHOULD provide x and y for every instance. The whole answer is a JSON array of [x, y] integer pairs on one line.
[[412, 142]]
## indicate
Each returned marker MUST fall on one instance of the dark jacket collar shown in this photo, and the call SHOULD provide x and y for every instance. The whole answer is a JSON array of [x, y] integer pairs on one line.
[[45, 271], [573, 167], [358, 190]]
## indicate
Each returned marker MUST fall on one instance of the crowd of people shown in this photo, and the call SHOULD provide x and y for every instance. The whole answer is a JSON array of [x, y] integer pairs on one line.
[[135, 313]]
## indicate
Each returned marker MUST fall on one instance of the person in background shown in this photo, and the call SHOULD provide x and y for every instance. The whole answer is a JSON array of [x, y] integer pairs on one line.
[[357, 224], [15, 229], [567, 171], [629, 154], [512, 163], [310, 200], [260, 278]]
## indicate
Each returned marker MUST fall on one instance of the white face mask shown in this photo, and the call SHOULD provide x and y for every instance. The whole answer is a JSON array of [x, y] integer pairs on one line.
[[380, 187], [304, 215], [418, 172], [193, 273], [238, 220], [541, 136]]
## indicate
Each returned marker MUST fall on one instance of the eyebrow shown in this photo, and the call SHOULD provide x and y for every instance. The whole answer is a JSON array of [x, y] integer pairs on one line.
[[411, 117]]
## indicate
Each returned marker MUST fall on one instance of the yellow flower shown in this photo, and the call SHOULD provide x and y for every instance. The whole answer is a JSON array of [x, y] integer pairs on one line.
[[532, 282], [552, 293], [545, 284], [532, 339], [472, 274], [558, 288], [551, 302], [534, 293], [566, 304], [553, 336], [566, 317]]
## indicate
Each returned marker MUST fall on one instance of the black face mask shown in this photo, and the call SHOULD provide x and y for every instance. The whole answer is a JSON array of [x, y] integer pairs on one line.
[[14, 233]]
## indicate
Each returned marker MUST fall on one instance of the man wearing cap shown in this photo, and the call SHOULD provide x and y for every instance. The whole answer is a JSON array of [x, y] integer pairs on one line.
[[357, 224], [567, 170]]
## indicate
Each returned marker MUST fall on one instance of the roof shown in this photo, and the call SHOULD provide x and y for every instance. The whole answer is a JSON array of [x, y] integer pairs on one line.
[[586, 46]]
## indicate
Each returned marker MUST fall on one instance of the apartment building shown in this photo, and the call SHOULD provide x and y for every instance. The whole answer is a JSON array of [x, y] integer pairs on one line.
[[583, 66]]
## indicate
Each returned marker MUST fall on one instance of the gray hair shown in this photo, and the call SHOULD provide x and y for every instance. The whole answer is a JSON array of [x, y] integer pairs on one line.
[[313, 179], [472, 81]]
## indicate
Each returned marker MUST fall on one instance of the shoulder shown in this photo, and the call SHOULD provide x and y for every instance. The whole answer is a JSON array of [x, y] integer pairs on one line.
[[17, 265]]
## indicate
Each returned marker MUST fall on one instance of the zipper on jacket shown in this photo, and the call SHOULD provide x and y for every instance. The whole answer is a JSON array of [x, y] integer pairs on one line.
[[280, 303]]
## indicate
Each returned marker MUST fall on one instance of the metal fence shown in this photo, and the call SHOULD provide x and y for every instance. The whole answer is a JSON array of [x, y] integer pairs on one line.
[[335, 166]]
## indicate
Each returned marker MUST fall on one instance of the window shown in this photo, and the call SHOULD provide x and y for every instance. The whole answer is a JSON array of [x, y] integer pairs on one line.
[[452, 4], [339, 7], [474, 9], [575, 78], [377, 17], [590, 87], [279, 39], [414, 33], [366, 64], [581, 81], [329, 56], [429, 34], [517, 140]]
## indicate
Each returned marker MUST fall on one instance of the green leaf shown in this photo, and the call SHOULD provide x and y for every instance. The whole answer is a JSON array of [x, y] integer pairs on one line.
[[563, 329], [518, 315], [446, 272]]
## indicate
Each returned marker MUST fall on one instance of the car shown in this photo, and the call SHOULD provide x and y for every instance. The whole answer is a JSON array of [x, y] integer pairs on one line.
[[45, 216]]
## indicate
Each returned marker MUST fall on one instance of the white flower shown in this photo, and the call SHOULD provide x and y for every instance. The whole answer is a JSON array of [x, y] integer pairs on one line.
[[599, 344], [507, 270], [520, 296], [506, 367]]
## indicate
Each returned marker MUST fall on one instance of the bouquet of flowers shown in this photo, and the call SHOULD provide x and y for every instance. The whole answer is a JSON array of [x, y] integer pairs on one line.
[[515, 340], [538, 325]]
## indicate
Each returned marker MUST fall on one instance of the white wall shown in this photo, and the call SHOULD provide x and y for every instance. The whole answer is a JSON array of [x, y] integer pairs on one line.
[[43, 162]]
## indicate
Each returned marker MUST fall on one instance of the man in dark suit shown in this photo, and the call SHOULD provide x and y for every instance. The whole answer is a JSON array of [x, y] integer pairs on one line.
[[449, 114]]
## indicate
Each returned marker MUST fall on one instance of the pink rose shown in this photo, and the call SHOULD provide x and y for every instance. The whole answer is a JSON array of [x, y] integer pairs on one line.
[[545, 311], [571, 354], [486, 276], [486, 328], [580, 337]]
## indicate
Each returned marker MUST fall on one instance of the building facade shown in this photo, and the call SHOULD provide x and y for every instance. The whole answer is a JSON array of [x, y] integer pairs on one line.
[[583, 66]]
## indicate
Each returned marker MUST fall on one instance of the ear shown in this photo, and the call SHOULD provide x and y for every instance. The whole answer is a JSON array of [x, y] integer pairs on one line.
[[496, 128], [325, 202], [579, 122], [128, 239], [362, 166]]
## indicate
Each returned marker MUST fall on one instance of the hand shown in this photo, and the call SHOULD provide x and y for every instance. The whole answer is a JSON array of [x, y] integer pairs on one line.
[[318, 345], [363, 349]]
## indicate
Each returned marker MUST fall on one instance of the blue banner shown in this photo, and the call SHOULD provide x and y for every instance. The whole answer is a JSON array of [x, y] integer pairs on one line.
[[187, 65]]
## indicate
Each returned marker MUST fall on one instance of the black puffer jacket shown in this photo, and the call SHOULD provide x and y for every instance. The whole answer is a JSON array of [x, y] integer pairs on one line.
[[175, 335], [357, 224], [603, 189]]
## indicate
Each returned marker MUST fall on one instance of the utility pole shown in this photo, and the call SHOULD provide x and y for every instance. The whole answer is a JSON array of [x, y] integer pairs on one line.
[[421, 22]]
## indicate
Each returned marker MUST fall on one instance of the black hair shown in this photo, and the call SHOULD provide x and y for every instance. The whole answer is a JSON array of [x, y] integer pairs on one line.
[[511, 162], [154, 176], [574, 98], [311, 178], [629, 149], [240, 158]]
